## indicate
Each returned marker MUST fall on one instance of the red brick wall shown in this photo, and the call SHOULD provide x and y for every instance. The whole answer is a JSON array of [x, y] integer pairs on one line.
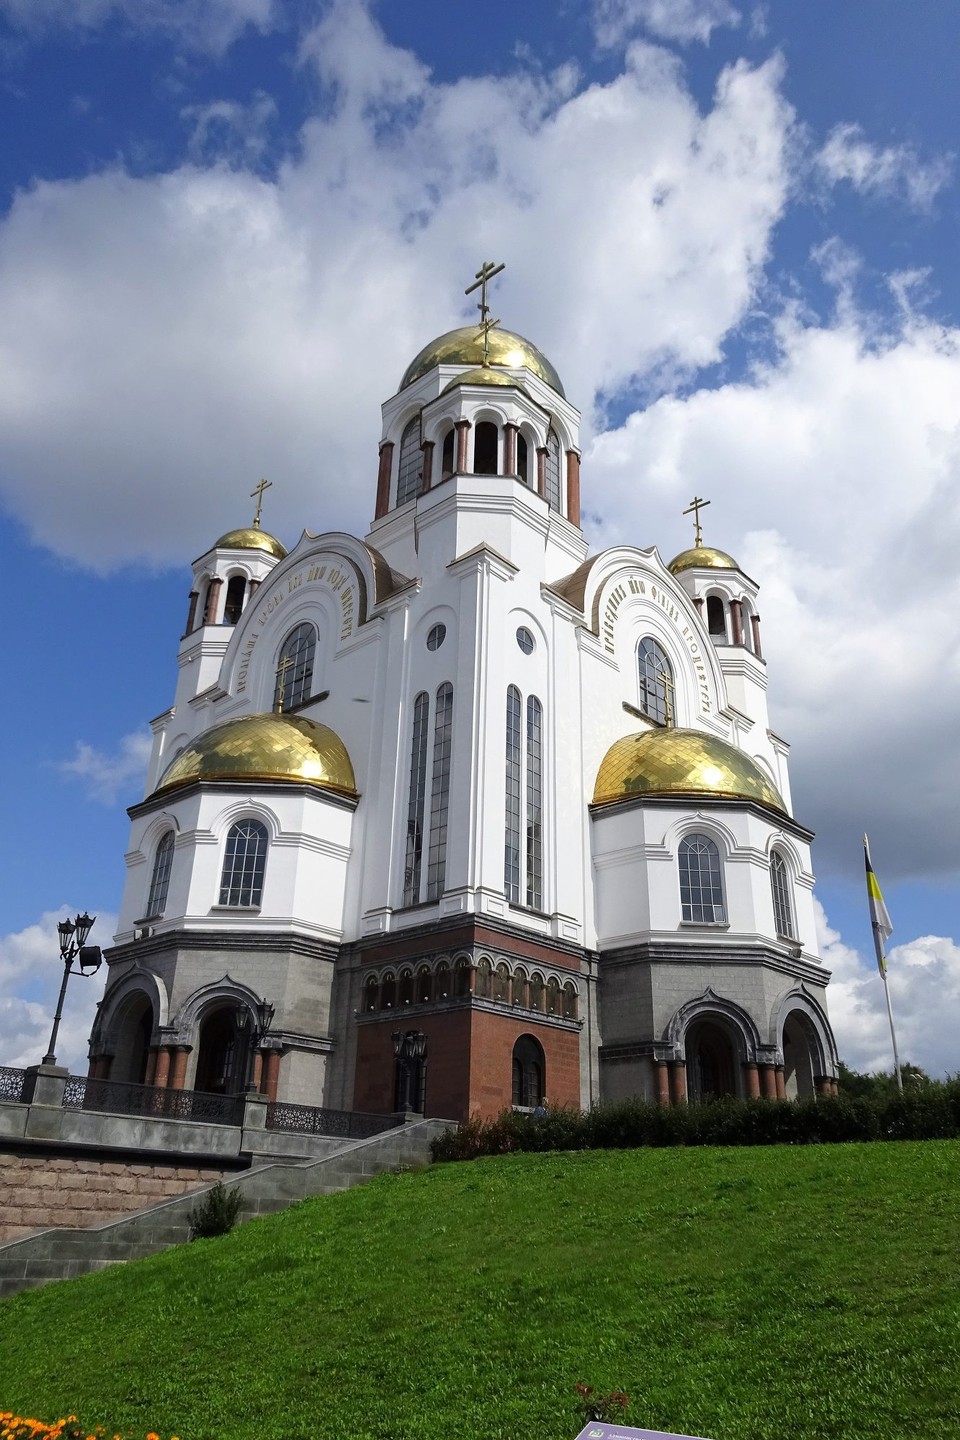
[[491, 1062]]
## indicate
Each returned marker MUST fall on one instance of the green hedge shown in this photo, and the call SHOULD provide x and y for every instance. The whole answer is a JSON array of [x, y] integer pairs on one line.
[[932, 1112]]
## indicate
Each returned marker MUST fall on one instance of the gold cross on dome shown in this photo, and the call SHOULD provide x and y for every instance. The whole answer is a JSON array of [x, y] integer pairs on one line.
[[696, 505], [282, 669], [258, 492], [486, 272]]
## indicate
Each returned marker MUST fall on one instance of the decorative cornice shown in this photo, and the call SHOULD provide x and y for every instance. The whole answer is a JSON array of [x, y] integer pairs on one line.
[[238, 941]]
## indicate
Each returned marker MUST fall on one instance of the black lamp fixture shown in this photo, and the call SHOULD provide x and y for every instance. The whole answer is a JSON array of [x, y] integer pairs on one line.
[[258, 1023], [73, 946], [410, 1051]]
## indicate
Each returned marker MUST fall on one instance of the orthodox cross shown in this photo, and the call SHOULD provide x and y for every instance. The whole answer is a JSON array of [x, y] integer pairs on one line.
[[282, 669], [258, 492], [696, 505], [486, 272]]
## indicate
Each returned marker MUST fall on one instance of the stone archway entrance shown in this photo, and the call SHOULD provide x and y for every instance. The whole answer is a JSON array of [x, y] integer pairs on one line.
[[801, 1057], [711, 1061], [134, 1031], [222, 1053]]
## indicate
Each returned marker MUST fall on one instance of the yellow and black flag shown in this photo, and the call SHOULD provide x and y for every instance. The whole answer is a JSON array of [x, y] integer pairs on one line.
[[879, 917]]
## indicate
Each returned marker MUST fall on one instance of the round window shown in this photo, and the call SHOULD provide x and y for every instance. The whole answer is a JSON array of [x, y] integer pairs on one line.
[[436, 636], [525, 640]]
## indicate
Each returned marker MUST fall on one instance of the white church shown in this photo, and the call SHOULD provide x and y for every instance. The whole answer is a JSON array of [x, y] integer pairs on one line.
[[457, 817]]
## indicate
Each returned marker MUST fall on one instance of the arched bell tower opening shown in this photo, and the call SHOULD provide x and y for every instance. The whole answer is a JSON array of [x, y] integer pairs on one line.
[[223, 1052]]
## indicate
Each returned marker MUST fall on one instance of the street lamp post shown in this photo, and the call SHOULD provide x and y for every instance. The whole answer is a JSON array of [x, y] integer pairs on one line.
[[73, 946], [410, 1050], [258, 1025]]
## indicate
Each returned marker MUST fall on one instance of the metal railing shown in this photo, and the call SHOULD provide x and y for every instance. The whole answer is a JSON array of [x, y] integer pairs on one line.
[[312, 1120], [11, 1084], [115, 1097]]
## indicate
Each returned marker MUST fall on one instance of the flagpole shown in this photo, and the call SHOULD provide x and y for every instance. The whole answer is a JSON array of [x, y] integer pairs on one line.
[[882, 926]]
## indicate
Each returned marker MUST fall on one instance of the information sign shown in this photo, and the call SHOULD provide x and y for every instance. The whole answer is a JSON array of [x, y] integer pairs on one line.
[[604, 1430]]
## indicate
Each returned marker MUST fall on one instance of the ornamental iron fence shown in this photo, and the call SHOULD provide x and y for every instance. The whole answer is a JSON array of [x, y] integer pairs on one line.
[[312, 1120], [115, 1097], [11, 1084]]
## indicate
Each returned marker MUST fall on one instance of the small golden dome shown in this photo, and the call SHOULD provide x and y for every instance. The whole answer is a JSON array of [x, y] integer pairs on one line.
[[681, 762], [483, 375], [252, 539], [265, 747], [702, 557], [465, 347]]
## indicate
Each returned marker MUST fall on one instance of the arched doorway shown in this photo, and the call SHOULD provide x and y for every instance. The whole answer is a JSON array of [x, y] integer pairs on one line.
[[801, 1056], [222, 1053], [134, 1031], [711, 1061], [529, 1073]]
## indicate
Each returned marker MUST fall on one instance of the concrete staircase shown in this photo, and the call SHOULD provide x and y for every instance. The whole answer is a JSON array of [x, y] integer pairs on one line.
[[265, 1189]]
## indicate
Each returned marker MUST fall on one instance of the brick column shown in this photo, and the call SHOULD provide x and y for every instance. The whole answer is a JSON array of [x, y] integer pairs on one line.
[[252, 589], [426, 470], [753, 1080], [542, 453], [192, 611], [179, 1071], [678, 1082], [510, 448], [462, 428], [151, 1071], [736, 613], [823, 1084], [781, 1087], [213, 600], [768, 1082], [662, 1082], [755, 626], [162, 1072], [272, 1074], [573, 487], [257, 1071], [383, 479]]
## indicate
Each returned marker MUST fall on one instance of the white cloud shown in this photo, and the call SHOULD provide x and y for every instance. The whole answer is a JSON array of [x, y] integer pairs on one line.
[[31, 971], [109, 777], [924, 979], [210, 25], [225, 128], [164, 339], [616, 21], [887, 171]]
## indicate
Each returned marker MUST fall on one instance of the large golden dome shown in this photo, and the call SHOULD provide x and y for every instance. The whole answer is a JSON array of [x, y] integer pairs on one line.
[[681, 762], [702, 557], [465, 347], [252, 538], [265, 747]]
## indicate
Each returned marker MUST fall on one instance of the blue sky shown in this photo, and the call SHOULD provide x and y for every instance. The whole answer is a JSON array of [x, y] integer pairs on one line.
[[226, 225]]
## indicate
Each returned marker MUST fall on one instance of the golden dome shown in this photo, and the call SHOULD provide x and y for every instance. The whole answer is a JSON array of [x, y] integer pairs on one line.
[[465, 347], [251, 539], [681, 762], [265, 747], [702, 557], [483, 375]]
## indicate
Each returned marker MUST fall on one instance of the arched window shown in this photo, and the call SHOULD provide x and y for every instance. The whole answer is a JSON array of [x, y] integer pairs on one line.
[[416, 801], [553, 470], [523, 462], [529, 1073], [294, 682], [424, 985], [446, 460], [244, 861], [485, 441], [717, 618], [511, 851], [371, 993], [520, 987], [501, 982], [534, 803], [553, 996], [440, 791], [701, 881], [461, 977], [441, 981], [160, 882], [523, 810], [782, 908], [388, 991], [410, 467], [536, 991], [233, 606], [484, 974], [656, 682], [569, 1001], [406, 987]]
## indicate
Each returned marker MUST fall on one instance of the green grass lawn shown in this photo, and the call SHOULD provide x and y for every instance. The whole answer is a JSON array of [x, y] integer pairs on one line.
[[744, 1294]]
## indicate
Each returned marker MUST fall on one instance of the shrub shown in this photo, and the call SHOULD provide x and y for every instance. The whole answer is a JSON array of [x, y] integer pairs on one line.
[[216, 1213]]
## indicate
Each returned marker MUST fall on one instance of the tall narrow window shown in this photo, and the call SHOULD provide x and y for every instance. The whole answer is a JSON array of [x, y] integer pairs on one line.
[[528, 1072], [534, 803], [410, 467], [656, 682], [717, 618], [511, 850], [523, 465], [416, 801], [446, 463], [294, 683], [160, 883], [233, 605], [243, 864], [782, 909], [440, 791], [485, 440], [701, 881], [553, 470]]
